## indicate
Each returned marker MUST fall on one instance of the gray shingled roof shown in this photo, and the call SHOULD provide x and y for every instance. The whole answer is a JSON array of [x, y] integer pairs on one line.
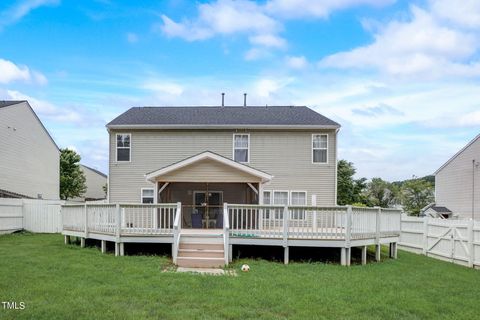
[[440, 209], [222, 116], [94, 170], [6, 103]]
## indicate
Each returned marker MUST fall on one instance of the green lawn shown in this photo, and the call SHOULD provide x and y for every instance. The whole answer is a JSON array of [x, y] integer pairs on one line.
[[67, 282]]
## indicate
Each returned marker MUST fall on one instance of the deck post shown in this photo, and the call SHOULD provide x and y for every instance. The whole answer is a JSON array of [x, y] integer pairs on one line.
[[117, 249], [393, 253], [230, 253], [343, 256], [348, 236], [285, 255], [378, 251], [364, 255], [285, 226], [82, 242], [104, 246], [349, 256], [67, 239], [122, 248]]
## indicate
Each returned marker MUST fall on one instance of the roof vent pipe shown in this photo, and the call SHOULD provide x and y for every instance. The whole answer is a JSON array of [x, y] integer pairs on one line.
[[223, 99], [244, 99]]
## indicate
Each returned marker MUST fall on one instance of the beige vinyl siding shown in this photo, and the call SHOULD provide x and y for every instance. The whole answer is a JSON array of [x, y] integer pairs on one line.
[[29, 160], [216, 172], [285, 155], [95, 183], [453, 183]]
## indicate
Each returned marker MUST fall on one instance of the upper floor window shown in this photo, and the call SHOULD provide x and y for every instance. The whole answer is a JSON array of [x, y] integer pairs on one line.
[[319, 148], [147, 195], [241, 148], [123, 146]]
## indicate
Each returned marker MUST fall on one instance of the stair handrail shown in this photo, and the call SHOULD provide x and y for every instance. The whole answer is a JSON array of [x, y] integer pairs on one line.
[[176, 231], [226, 233]]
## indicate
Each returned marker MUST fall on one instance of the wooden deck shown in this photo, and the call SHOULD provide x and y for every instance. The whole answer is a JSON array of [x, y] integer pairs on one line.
[[342, 227]]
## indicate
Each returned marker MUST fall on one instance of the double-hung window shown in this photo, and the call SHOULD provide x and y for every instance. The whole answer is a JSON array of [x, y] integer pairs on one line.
[[298, 198], [319, 148], [123, 147], [241, 148], [148, 195], [280, 198]]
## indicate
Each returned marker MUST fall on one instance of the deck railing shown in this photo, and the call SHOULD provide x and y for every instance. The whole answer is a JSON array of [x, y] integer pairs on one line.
[[306, 222], [239, 220], [124, 219]]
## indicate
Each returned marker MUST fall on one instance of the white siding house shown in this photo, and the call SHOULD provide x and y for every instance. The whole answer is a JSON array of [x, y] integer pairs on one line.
[[95, 181], [457, 182], [29, 158]]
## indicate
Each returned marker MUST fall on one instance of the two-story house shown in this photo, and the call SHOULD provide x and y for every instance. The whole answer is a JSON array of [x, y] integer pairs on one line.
[[29, 157], [205, 156]]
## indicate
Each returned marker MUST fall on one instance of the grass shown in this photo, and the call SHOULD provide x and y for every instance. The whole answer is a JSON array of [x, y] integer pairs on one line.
[[67, 282]]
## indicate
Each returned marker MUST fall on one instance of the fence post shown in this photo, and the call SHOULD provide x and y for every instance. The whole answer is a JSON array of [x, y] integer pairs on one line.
[[314, 221], [348, 227], [425, 235], [378, 247], [86, 220], [471, 248]]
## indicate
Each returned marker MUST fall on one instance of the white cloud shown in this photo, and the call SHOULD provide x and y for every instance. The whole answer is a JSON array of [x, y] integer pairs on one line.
[[260, 22], [296, 62], [132, 37], [256, 54], [21, 9], [316, 8], [266, 87], [44, 108], [222, 17], [163, 87], [465, 13], [268, 40], [10, 72], [421, 46]]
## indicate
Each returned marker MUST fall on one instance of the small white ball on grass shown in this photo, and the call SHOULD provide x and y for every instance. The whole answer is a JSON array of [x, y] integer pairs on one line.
[[245, 268]]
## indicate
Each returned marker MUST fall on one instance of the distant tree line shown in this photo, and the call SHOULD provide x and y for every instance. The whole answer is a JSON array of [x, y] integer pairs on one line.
[[412, 194]]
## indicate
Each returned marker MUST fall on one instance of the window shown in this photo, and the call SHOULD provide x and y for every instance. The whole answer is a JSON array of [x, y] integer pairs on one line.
[[298, 198], [123, 147], [241, 145], [266, 197], [148, 195], [319, 148], [280, 198]]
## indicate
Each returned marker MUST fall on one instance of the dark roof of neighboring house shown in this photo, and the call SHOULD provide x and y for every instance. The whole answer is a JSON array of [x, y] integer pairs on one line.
[[251, 116], [94, 170], [440, 209], [6, 103], [10, 194]]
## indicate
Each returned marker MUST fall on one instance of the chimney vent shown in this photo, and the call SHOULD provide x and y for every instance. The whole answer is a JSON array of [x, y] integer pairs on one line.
[[244, 99], [223, 99]]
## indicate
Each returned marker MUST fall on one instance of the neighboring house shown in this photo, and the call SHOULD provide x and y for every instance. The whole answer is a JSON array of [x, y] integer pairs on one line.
[[457, 182], [95, 181], [29, 158], [205, 156], [436, 212]]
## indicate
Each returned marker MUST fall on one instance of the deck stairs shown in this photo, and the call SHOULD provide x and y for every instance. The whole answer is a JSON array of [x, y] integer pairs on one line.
[[201, 249]]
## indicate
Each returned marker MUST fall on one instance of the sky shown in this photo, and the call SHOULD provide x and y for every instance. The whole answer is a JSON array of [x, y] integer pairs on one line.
[[401, 77]]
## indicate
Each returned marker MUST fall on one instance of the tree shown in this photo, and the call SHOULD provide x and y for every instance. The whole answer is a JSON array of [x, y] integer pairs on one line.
[[72, 179], [105, 189], [416, 194], [349, 190], [381, 193]]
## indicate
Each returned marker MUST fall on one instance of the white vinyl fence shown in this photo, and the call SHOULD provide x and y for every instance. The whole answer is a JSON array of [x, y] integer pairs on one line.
[[457, 241], [30, 214]]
